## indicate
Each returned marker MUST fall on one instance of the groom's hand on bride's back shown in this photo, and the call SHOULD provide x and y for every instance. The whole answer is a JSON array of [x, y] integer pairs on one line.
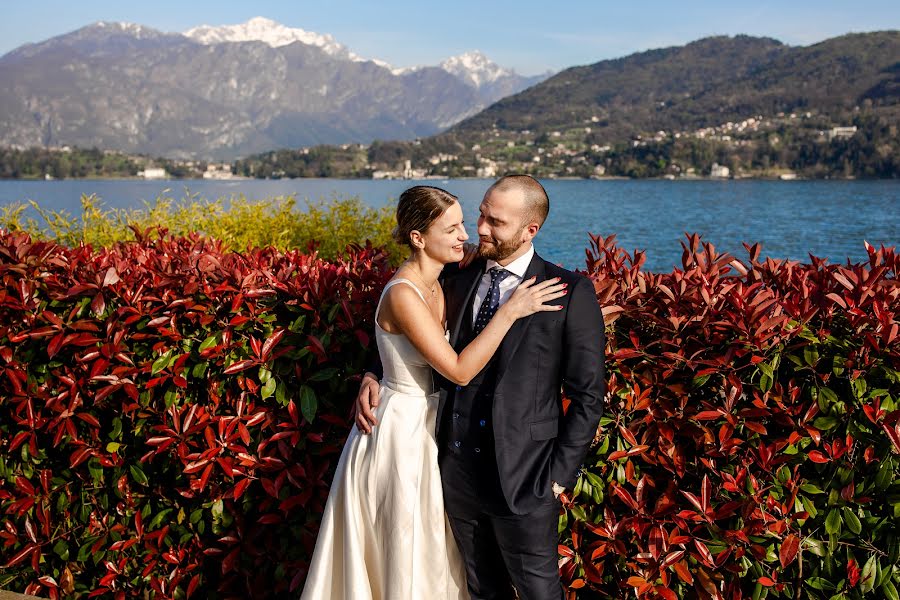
[[366, 403]]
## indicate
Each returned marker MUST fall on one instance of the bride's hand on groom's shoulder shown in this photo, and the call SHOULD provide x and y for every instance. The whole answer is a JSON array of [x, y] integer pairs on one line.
[[366, 403], [469, 256], [531, 296]]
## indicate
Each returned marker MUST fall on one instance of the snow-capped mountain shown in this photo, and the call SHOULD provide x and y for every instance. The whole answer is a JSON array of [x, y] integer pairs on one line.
[[219, 92], [476, 69], [260, 29]]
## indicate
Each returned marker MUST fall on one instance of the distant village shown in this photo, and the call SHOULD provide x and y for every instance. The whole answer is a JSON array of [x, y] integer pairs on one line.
[[571, 153]]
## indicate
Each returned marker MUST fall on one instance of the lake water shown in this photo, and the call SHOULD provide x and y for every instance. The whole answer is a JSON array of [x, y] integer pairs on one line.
[[791, 219]]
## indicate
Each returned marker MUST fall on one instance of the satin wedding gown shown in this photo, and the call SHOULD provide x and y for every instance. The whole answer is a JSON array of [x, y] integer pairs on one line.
[[384, 534]]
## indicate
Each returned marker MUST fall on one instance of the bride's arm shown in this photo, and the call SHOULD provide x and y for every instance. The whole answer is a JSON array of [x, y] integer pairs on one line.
[[411, 316]]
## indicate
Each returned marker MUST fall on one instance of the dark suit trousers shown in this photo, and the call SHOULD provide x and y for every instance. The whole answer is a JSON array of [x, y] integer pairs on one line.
[[500, 549]]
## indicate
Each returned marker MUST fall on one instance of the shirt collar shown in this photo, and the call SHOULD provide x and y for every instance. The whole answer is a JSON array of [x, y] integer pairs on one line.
[[518, 266]]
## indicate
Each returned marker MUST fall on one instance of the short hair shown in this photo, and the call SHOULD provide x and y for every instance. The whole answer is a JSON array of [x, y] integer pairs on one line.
[[537, 203], [418, 208]]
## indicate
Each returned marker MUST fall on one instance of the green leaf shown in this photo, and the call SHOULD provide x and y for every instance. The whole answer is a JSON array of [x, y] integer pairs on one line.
[[297, 325], [852, 521], [815, 546], [885, 475], [281, 394], [160, 363], [116, 432], [810, 507], [113, 447], [833, 521], [765, 383], [811, 488], [85, 551], [890, 592], [138, 475], [198, 370], [867, 578], [268, 388], [767, 370], [264, 374], [324, 374], [61, 549], [820, 583], [158, 518], [308, 403], [825, 423], [810, 356], [827, 399], [209, 342], [578, 512]]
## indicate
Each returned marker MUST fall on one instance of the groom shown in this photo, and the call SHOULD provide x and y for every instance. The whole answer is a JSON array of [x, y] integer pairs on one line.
[[507, 448]]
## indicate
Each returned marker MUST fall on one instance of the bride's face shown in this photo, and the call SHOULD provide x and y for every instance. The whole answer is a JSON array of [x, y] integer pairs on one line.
[[445, 236]]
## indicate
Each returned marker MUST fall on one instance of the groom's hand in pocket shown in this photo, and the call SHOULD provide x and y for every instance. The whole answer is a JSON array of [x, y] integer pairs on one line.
[[366, 403]]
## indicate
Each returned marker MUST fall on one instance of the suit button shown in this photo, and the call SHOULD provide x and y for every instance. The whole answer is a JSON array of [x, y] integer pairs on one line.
[[482, 422], [459, 387], [477, 450], [455, 415], [457, 443]]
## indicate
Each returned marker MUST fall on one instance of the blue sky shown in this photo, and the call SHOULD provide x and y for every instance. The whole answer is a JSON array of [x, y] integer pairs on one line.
[[529, 35]]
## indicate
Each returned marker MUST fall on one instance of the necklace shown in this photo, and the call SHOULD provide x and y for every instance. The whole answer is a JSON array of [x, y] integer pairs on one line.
[[432, 288]]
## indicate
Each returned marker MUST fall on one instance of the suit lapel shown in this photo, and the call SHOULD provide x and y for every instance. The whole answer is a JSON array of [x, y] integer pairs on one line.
[[517, 332], [460, 299]]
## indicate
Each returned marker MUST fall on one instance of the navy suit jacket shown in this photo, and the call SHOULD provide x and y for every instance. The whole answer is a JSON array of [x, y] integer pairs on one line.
[[535, 443]]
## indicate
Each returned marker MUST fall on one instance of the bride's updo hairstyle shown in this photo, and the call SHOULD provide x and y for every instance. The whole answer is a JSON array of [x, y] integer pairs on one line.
[[418, 208]]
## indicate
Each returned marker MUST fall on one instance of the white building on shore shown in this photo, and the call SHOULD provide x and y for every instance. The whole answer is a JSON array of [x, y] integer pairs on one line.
[[153, 173], [719, 171]]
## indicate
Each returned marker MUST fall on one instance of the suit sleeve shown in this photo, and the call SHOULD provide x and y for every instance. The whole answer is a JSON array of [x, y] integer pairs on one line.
[[583, 382]]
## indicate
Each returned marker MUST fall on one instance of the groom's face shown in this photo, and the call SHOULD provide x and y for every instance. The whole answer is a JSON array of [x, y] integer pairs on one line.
[[501, 227]]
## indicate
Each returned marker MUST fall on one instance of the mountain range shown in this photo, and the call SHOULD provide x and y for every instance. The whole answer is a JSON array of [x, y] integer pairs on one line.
[[222, 92]]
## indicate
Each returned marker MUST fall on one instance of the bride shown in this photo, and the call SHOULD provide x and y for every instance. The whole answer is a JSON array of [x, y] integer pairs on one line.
[[384, 534]]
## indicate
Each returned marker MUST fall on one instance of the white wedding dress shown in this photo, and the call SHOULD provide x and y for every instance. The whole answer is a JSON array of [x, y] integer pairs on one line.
[[384, 534]]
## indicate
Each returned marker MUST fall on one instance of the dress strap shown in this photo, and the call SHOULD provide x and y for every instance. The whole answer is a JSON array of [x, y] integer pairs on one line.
[[391, 284]]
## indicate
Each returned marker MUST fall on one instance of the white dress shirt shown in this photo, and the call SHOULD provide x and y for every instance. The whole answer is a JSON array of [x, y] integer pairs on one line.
[[517, 269]]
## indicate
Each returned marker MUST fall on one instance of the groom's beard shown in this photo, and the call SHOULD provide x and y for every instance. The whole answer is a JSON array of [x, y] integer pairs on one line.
[[498, 249]]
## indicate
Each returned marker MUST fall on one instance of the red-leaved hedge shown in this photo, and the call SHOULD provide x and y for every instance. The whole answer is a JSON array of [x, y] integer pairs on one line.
[[170, 414], [750, 447]]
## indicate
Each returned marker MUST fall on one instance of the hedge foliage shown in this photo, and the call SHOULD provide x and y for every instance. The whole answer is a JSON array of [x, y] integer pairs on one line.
[[750, 448], [171, 412]]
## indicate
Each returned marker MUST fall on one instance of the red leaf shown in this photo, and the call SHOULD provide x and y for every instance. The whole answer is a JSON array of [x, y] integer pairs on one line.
[[240, 487], [98, 305], [89, 419], [893, 433], [789, 549], [705, 555], [623, 495], [21, 555], [25, 486], [192, 586], [683, 573], [239, 366], [272, 342], [818, 457], [111, 277], [56, 344]]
